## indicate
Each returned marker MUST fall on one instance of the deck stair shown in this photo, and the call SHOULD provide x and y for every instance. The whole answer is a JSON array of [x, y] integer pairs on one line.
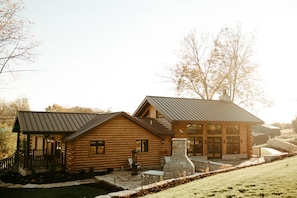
[[7, 164]]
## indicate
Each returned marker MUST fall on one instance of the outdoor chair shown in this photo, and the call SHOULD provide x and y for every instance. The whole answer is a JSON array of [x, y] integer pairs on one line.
[[131, 163]]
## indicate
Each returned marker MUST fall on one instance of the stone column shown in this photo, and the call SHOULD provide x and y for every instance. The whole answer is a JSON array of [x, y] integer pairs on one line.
[[179, 165]]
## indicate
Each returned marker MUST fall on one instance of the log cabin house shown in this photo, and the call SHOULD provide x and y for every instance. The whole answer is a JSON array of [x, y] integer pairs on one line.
[[81, 141], [215, 129]]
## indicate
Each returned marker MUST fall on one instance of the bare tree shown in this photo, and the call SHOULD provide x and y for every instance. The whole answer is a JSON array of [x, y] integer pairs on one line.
[[209, 64], [197, 71], [16, 43]]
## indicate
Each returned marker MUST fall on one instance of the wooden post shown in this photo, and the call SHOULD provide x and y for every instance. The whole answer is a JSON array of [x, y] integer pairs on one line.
[[27, 155], [17, 148]]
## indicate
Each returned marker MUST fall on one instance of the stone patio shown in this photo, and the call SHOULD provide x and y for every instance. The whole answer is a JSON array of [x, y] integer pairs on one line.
[[135, 183]]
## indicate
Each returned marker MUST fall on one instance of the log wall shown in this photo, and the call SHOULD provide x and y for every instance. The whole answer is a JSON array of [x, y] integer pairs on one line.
[[120, 135]]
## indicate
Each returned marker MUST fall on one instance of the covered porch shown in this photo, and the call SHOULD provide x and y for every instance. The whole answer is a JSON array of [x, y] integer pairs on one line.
[[40, 153], [40, 145]]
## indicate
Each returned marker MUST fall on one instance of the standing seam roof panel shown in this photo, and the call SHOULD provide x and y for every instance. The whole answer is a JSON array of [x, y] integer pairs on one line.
[[45, 120], [65, 122], [43, 125], [78, 121], [55, 124], [27, 122], [190, 109], [36, 122]]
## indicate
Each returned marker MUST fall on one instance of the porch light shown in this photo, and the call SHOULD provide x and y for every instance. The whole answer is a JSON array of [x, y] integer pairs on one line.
[[50, 140]]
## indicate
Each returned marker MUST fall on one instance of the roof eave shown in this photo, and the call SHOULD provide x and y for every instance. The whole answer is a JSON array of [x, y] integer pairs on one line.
[[159, 109]]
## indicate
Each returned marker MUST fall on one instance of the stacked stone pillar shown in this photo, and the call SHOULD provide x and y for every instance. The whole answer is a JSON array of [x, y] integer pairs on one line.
[[179, 165]]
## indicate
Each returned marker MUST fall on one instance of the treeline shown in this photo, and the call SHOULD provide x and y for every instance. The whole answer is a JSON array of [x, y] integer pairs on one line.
[[8, 111]]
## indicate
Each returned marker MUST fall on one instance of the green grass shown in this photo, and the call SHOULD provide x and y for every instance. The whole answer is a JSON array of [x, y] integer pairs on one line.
[[89, 190], [276, 179]]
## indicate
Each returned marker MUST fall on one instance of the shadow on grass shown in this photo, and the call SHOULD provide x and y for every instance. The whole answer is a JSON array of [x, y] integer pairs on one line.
[[87, 190]]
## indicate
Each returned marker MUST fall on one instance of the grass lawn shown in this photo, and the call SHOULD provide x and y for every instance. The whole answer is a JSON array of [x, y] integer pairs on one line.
[[276, 179], [81, 191]]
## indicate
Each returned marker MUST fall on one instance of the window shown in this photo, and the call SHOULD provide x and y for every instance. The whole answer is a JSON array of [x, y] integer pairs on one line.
[[97, 147], [233, 145], [142, 146], [195, 128], [232, 129], [214, 129], [195, 146]]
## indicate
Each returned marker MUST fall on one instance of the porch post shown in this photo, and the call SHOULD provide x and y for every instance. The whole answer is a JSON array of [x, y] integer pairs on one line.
[[64, 156], [17, 147], [28, 151]]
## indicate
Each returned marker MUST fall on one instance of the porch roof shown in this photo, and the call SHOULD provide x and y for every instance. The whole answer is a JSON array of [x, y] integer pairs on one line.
[[50, 122], [191, 109]]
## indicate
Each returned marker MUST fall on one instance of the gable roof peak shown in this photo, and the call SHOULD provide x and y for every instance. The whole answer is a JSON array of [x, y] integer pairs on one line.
[[193, 109]]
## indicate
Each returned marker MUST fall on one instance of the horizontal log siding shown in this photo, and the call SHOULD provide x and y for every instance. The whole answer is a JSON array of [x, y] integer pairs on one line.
[[70, 157], [120, 136], [244, 139], [179, 129], [249, 140]]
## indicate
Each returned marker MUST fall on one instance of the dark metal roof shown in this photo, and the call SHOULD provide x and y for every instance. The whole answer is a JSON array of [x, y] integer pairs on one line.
[[100, 119], [189, 109], [50, 122]]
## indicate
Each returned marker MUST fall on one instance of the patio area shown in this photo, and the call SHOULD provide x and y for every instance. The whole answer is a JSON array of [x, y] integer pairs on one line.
[[125, 180]]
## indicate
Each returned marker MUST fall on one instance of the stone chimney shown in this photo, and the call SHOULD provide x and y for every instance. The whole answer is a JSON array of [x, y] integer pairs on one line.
[[225, 96], [179, 165]]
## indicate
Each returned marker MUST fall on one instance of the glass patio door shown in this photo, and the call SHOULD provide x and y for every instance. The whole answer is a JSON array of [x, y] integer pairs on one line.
[[214, 145]]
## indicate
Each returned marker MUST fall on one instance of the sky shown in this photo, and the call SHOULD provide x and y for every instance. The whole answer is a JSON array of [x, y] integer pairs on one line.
[[110, 54]]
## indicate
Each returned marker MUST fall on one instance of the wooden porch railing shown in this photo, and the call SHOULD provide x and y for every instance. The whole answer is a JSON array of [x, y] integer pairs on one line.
[[39, 159], [7, 163]]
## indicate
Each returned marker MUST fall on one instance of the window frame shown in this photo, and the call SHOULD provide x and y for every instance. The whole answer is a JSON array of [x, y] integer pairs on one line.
[[232, 129], [192, 144], [198, 130], [216, 131], [233, 147], [142, 145], [97, 145]]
